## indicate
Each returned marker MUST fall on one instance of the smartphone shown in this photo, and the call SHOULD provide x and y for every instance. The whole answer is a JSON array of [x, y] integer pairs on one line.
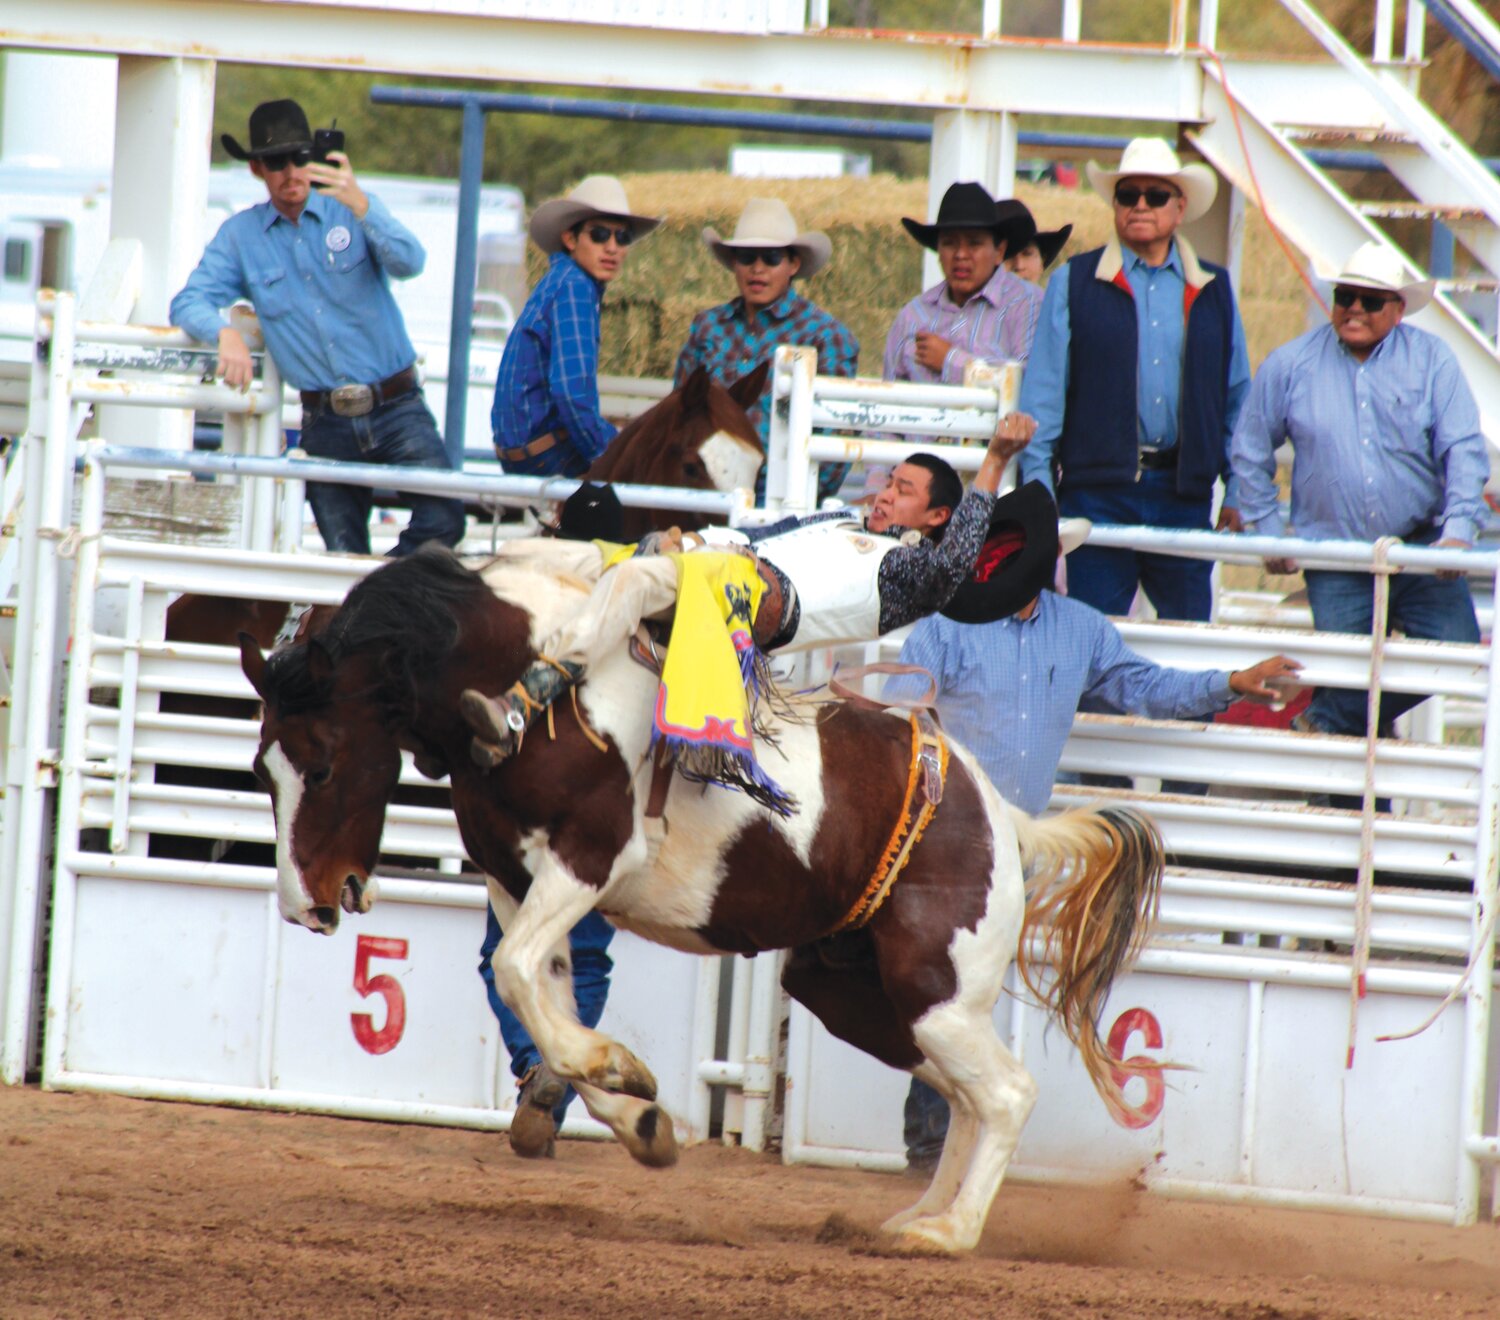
[[326, 140]]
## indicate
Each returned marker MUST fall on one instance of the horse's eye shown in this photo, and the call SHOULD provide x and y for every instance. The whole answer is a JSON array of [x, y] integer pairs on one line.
[[692, 469], [317, 778]]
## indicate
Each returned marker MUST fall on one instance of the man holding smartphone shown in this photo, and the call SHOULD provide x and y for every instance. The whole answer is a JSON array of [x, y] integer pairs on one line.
[[315, 260]]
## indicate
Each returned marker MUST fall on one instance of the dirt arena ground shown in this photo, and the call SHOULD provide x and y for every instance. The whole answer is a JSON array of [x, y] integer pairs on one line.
[[131, 1208]]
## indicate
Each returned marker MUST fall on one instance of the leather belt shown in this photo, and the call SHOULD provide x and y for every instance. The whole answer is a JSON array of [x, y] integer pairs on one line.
[[1155, 460], [357, 400], [532, 447]]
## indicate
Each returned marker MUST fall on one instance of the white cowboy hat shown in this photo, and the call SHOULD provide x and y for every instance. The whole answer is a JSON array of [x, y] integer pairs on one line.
[[1375, 266], [767, 223], [1072, 533], [599, 194], [1153, 157]]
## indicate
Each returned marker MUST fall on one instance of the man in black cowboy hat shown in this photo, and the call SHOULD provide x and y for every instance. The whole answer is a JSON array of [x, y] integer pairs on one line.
[[980, 310], [1008, 688], [315, 260]]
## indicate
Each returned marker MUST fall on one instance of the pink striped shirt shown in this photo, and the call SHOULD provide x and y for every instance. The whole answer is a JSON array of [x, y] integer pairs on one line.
[[995, 325]]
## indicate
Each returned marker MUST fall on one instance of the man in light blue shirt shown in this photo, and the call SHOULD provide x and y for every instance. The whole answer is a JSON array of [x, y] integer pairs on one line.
[[1386, 442], [315, 263], [1136, 376], [1008, 691]]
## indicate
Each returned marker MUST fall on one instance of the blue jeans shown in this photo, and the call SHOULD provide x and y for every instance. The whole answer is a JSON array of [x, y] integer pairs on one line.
[[588, 942], [926, 1125], [1421, 606], [400, 432], [1107, 579]]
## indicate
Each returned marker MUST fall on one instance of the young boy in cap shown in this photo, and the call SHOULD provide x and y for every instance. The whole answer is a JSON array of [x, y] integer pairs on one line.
[[546, 416], [766, 253], [315, 260]]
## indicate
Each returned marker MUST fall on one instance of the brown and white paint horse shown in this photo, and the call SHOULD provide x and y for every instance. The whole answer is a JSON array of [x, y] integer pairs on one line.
[[559, 828]]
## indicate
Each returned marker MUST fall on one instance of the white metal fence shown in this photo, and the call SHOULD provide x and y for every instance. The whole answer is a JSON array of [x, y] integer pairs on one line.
[[172, 977]]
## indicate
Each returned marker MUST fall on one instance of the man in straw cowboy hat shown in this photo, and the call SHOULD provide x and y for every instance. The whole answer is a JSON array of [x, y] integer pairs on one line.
[[1136, 378], [1009, 687], [766, 253], [1386, 442], [980, 310], [315, 259], [546, 416]]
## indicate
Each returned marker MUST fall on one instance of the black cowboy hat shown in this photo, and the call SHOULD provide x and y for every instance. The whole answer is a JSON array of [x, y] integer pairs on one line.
[[969, 206], [277, 128], [1049, 243], [592, 513], [1018, 560]]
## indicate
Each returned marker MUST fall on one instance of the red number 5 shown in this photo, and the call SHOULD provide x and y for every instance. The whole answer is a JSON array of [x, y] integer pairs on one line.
[[1129, 1022], [386, 1038]]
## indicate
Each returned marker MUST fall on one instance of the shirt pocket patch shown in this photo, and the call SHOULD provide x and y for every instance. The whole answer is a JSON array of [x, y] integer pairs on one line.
[[271, 292]]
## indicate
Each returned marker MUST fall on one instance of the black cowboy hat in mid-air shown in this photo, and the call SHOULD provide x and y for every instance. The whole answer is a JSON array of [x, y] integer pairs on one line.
[[1018, 559], [592, 513], [277, 128]]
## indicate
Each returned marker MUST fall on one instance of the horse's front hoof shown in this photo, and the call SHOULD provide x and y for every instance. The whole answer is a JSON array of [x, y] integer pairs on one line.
[[651, 1140], [933, 1235]]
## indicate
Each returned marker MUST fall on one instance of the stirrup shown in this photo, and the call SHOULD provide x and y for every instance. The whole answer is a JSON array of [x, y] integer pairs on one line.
[[499, 724]]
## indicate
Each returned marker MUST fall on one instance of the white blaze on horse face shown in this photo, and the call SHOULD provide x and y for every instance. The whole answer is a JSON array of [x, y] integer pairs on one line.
[[732, 463], [286, 787]]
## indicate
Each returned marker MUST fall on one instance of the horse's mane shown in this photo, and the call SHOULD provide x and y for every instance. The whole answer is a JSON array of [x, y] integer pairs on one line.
[[406, 613]]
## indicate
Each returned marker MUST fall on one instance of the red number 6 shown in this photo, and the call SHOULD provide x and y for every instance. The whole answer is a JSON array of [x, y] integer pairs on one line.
[[1129, 1022], [385, 1039]]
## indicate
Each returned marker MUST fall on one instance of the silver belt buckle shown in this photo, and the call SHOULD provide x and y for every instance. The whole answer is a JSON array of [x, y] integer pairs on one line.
[[351, 400]]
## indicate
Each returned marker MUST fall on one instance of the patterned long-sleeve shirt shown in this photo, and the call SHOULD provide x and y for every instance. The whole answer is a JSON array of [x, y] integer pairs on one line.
[[320, 286], [731, 343], [1382, 447], [1008, 690], [549, 375], [996, 324]]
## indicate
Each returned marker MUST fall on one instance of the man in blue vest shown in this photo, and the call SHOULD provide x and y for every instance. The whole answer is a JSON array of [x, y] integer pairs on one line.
[[1136, 378]]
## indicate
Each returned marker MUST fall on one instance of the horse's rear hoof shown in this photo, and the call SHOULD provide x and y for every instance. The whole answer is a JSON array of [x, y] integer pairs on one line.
[[652, 1140]]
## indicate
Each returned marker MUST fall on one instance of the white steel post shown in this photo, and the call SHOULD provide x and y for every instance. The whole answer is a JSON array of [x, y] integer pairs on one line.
[[761, 1050], [968, 146], [163, 121], [1479, 996], [800, 491]]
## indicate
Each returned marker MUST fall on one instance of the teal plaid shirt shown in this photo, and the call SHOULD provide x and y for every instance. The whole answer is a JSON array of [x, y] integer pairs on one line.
[[730, 345]]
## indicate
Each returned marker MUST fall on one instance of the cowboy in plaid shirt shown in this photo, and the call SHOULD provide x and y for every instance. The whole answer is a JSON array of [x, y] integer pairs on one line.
[[731, 340]]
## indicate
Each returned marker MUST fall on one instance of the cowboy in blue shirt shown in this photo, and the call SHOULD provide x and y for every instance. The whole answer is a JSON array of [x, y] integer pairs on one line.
[[315, 262], [546, 415], [1386, 442]]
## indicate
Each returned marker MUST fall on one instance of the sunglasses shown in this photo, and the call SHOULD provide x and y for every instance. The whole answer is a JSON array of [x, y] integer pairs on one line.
[[772, 257], [275, 164], [1128, 195], [1368, 302], [601, 234]]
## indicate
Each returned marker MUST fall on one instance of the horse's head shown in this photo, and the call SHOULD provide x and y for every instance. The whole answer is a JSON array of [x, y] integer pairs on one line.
[[698, 437], [341, 701], [331, 764]]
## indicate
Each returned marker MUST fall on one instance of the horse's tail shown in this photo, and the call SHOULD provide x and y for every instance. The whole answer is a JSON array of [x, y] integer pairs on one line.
[[1093, 889]]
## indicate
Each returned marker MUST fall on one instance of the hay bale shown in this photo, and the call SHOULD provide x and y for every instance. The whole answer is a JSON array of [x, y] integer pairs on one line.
[[876, 267]]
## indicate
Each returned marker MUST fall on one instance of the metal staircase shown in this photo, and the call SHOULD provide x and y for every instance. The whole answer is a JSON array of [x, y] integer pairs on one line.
[[1281, 132]]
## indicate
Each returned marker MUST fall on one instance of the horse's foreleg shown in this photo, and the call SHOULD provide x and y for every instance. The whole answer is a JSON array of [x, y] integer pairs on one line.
[[534, 975], [643, 1127]]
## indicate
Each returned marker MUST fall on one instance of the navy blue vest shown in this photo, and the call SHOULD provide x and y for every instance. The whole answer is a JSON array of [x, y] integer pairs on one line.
[[1100, 439]]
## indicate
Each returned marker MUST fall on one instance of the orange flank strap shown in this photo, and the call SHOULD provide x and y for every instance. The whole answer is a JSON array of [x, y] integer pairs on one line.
[[924, 737]]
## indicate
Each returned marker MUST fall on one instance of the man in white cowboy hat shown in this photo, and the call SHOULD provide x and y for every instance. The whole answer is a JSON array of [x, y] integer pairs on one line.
[[766, 253], [1136, 378], [315, 259], [1008, 689], [980, 311], [1386, 442], [546, 416]]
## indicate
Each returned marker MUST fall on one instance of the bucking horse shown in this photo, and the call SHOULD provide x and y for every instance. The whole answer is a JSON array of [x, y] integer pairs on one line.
[[561, 828]]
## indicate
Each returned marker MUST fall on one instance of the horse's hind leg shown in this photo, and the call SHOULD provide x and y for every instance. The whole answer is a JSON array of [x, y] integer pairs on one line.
[[987, 1085], [953, 1163], [532, 955]]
